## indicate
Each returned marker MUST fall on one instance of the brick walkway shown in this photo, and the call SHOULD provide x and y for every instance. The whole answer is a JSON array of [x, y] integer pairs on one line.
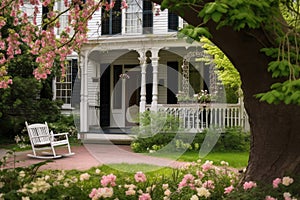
[[92, 155]]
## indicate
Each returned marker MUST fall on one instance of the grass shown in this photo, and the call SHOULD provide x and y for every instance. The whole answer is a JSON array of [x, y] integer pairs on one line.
[[235, 159]]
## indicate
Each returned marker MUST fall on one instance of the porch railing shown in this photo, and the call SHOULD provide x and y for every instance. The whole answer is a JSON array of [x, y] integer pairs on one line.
[[197, 117]]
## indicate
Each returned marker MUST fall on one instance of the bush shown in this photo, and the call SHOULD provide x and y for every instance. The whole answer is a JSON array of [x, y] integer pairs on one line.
[[233, 139]]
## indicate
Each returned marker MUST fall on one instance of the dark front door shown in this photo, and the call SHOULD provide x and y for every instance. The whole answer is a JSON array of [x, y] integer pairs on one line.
[[105, 96]]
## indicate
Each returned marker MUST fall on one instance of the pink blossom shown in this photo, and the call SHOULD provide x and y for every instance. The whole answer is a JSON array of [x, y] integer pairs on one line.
[[188, 180], [145, 196], [249, 185], [130, 192], [287, 196], [108, 180], [124, 4], [276, 182], [93, 193], [140, 177], [228, 189], [200, 174], [209, 184], [207, 165]]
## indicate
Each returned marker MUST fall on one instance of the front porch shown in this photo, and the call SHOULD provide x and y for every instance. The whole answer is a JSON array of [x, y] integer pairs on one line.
[[193, 117]]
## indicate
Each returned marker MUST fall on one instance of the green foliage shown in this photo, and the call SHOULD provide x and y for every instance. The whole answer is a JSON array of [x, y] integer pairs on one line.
[[65, 124], [287, 92], [21, 102], [153, 122], [233, 139], [279, 21], [225, 70]]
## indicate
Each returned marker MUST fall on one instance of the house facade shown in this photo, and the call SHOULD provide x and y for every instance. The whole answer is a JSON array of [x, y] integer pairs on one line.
[[133, 62]]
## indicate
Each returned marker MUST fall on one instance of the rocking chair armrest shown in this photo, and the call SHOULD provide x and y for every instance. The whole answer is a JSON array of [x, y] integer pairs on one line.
[[59, 134]]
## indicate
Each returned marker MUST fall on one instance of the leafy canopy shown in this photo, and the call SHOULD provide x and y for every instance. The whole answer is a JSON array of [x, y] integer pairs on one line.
[[278, 18]]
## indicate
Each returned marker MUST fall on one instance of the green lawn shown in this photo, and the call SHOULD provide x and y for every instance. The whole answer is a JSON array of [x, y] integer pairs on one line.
[[235, 159]]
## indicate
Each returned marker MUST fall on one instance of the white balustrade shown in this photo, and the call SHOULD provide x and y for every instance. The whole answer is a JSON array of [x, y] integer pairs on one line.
[[197, 117]]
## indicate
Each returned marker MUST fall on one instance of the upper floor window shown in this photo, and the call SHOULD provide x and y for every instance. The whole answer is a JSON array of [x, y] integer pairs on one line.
[[147, 17], [64, 85], [173, 21], [63, 19], [111, 21], [133, 16]]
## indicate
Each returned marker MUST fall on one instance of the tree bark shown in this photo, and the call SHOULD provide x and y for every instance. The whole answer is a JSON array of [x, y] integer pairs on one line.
[[275, 129]]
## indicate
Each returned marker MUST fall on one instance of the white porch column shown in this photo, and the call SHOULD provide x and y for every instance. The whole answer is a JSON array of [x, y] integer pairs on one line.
[[142, 59], [154, 59], [84, 93]]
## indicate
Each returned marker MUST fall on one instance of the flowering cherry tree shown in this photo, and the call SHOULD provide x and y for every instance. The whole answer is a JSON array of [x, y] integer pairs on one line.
[[41, 38]]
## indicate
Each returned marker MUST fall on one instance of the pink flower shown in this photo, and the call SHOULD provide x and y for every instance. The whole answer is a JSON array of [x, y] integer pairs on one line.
[[207, 165], [249, 185], [287, 196], [270, 198], [276, 182], [140, 177], [108, 180], [93, 193], [145, 196], [228, 189], [188, 180], [124, 4], [200, 174], [209, 184]]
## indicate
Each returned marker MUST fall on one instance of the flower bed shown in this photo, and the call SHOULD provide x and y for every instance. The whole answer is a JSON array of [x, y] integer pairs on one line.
[[197, 180]]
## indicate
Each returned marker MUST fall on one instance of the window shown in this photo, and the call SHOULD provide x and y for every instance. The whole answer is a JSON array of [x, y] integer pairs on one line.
[[112, 19], [63, 19], [173, 21], [134, 17], [64, 85], [147, 17]]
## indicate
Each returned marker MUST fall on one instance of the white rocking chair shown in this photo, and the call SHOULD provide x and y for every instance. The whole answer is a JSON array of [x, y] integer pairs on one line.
[[41, 139]]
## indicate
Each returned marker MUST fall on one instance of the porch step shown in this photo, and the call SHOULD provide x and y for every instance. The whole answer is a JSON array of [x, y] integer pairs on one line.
[[109, 130], [101, 138]]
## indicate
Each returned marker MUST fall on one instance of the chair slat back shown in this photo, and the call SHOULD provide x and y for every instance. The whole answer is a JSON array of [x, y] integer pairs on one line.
[[39, 133]]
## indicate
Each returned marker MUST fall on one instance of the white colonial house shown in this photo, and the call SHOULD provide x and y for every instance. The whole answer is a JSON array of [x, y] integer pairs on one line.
[[133, 62]]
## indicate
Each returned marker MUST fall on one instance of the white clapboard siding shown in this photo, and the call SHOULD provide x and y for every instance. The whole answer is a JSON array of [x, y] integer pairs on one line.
[[160, 23], [94, 25]]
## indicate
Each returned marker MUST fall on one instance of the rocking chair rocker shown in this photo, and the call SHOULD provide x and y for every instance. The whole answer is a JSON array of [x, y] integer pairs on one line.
[[41, 139]]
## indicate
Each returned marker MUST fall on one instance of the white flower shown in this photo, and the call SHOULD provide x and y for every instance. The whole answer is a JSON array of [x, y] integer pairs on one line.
[[165, 186], [287, 194], [98, 171], [224, 163], [66, 184], [287, 180], [84, 176], [22, 174], [1, 184], [203, 192], [25, 198], [194, 197], [47, 177]]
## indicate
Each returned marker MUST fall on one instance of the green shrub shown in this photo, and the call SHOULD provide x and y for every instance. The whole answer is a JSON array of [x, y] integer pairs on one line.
[[232, 139]]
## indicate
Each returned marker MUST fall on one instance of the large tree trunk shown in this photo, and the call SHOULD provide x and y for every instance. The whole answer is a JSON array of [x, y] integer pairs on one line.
[[275, 129]]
